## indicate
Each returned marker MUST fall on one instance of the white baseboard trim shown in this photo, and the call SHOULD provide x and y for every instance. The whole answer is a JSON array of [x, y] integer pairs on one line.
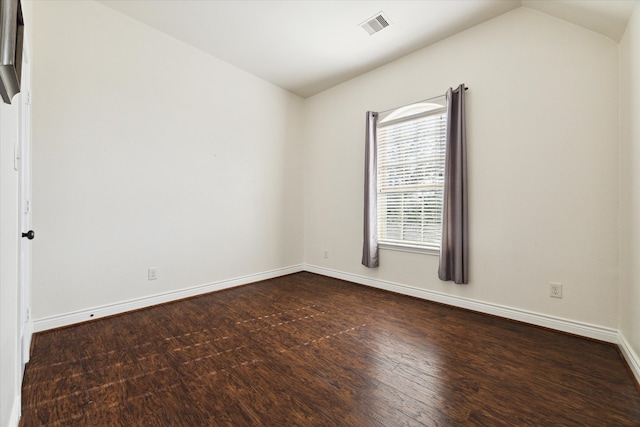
[[630, 356], [27, 336], [66, 319], [560, 324], [570, 326]]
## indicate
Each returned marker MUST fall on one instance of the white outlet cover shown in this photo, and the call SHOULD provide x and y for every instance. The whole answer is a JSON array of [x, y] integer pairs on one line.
[[555, 290]]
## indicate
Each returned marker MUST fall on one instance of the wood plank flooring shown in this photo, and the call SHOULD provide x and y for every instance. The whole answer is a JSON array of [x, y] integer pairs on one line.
[[307, 350]]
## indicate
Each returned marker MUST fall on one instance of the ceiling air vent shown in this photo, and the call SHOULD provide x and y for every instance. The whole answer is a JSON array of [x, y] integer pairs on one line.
[[375, 23]]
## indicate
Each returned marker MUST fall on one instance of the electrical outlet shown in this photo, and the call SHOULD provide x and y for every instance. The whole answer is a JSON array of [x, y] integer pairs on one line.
[[152, 273], [326, 254], [555, 290]]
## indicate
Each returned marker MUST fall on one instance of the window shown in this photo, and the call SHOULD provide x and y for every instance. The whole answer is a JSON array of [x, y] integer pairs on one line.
[[410, 152]]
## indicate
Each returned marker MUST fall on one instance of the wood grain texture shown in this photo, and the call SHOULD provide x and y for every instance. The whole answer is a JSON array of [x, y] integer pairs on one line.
[[307, 350]]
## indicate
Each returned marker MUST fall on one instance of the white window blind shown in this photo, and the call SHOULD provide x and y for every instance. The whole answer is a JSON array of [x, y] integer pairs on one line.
[[411, 179]]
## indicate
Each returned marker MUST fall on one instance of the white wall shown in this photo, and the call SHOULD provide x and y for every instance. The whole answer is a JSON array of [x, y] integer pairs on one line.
[[630, 184], [142, 144], [542, 145], [150, 153]]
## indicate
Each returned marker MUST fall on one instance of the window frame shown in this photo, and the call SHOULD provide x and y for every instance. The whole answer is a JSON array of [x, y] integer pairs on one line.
[[407, 114]]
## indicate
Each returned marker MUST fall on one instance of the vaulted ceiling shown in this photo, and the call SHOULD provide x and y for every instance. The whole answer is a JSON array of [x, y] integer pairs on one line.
[[308, 46]]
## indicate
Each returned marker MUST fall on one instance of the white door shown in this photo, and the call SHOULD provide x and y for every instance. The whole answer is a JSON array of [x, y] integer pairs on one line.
[[23, 163]]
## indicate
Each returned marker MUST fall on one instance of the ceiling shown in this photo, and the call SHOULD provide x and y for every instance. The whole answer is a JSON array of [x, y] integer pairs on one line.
[[308, 46]]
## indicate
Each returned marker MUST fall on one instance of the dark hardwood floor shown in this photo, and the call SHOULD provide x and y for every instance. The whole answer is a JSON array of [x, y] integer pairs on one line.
[[309, 350]]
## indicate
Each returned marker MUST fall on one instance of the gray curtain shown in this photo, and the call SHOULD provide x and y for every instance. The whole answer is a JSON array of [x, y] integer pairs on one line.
[[370, 246], [454, 250]]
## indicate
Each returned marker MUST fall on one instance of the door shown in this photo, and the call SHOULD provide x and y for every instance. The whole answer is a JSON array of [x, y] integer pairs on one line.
[[23, 164]]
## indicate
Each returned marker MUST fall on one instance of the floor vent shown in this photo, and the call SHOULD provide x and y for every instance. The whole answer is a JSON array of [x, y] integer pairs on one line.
[[375, 24]]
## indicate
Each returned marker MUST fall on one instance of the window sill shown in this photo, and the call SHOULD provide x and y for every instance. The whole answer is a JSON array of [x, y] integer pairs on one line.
[[412, 249]]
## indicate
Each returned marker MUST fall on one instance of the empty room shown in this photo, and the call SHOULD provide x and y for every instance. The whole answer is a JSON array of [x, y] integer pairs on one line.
[[319, 213]]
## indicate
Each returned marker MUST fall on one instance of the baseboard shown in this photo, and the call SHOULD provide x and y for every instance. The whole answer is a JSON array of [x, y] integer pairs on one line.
[[630, 356], [551, 322], [66, 319], [27, 336]]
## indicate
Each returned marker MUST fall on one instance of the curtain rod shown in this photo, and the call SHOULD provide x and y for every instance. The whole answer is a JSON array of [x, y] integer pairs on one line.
[[423, 100]]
